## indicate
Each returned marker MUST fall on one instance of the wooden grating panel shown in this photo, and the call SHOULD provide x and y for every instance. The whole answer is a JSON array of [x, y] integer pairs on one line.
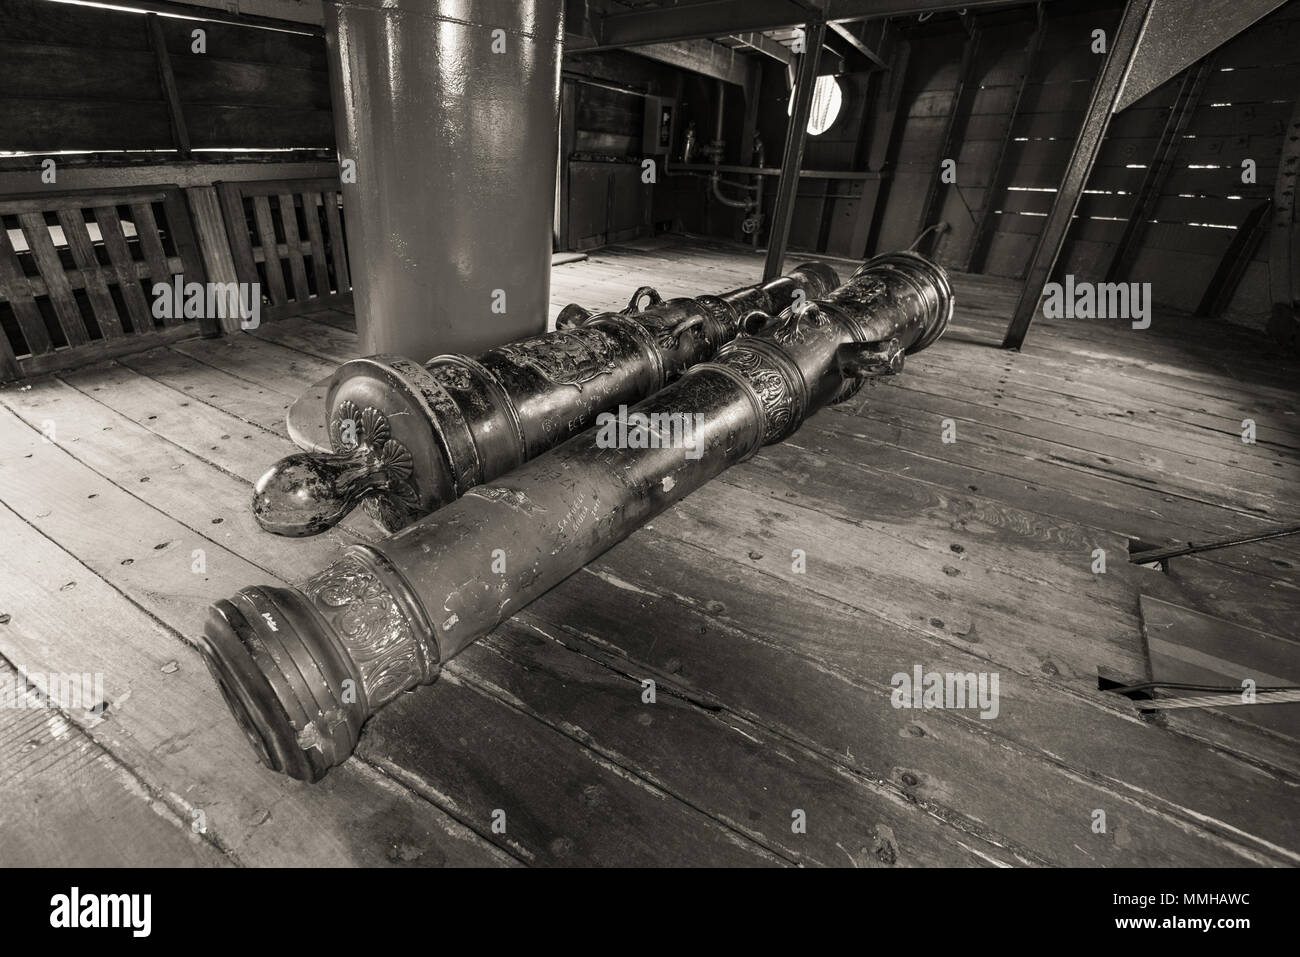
[[75, 269], [287, 236]]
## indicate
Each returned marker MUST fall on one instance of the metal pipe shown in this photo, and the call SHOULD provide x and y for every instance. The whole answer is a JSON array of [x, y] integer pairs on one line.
[[792, 158], [714, 180], [303, 669], [719, 115], [447, 119], [409, 438]]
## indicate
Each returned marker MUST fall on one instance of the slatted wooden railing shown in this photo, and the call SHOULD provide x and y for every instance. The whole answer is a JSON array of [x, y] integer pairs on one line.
[[77, 270], [288, 236]]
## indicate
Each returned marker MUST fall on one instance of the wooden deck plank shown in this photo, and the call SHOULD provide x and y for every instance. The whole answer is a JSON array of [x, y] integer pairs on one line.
[[871, 442], [559, 801], [1204, 461], [260, 362], [773, 687], [245, 400], [162, 704], [1029, 622], [310, 336], [1275, 430], [58, 782], [1075, 495], [154, 442], [748, 778], [735, 638], [178, 598]]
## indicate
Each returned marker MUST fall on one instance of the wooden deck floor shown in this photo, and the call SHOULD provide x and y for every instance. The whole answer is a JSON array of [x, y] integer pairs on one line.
[[773, 688]]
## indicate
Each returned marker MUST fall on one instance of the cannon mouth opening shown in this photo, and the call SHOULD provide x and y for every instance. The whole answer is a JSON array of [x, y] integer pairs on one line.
[[227, 649]]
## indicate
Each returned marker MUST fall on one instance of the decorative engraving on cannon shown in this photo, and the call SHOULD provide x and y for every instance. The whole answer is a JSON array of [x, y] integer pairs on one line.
[[376, 458], [572, 357], [775, 387], [369, 621], [389, 615], [463, 421]]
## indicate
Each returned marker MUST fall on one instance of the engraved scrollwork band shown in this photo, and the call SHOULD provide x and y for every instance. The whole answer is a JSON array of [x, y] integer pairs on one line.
[[374, 626], [775, 381]]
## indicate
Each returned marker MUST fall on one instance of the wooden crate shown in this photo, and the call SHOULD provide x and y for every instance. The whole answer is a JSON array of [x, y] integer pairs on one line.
[[287, 235], [77, 270]]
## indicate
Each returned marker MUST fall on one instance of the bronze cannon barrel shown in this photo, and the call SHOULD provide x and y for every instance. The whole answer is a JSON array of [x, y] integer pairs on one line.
[[409, 438], [303, 669]]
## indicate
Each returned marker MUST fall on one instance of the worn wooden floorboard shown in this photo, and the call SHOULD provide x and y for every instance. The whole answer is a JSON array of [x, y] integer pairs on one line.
[[652, 608], [162, 721], [65, 801], [1204, 480], [1054, 488], [773, 687], [205, 497], [177, 429]]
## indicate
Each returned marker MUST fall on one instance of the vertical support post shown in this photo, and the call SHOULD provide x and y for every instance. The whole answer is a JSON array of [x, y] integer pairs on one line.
[[881, 131], [1158, 170], [447, 128], [1105, 95], [950, 142], [1236, 260], [792, 157], [568, 133], [984, 218], [180, 132], [753, 91], [1284, 240]]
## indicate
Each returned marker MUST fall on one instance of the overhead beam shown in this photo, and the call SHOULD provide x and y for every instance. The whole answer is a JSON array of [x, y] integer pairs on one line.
[[704, 57], [729, 17], [1183, 31], [853, 41], [304, 16], [1105, 93], [767, 46], [761, 43], [792, 157]]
